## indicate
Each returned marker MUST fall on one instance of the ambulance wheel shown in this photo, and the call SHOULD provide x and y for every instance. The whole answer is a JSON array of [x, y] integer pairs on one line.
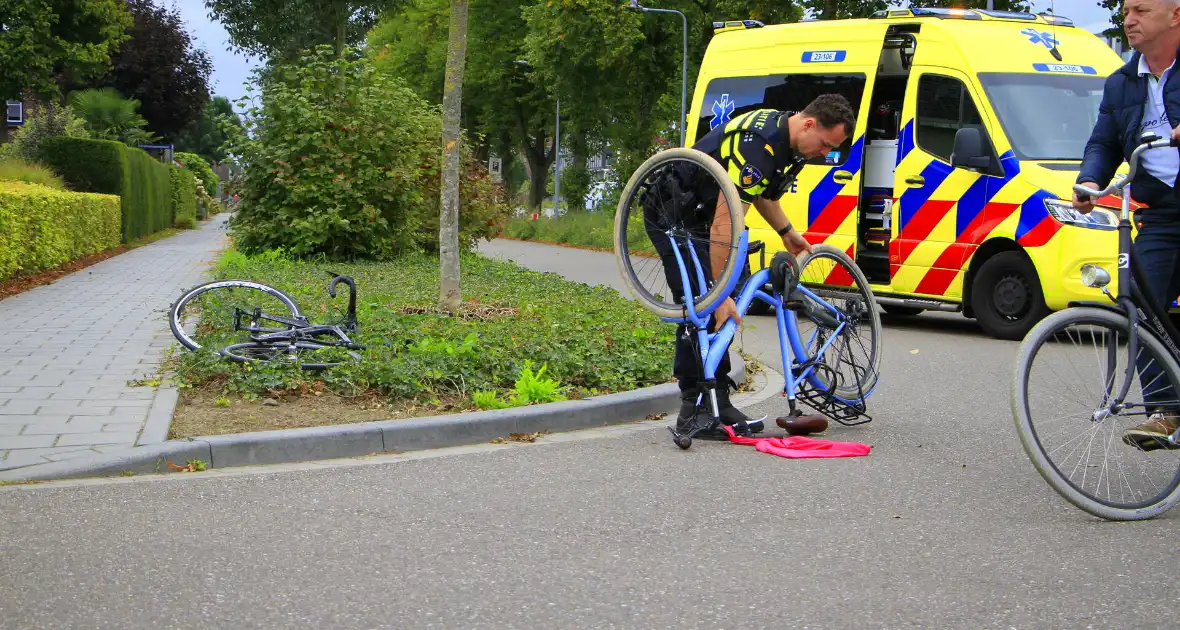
[[1006, 296]]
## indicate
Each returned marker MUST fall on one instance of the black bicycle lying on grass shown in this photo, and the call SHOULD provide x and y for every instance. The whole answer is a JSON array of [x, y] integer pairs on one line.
[[254, 322]]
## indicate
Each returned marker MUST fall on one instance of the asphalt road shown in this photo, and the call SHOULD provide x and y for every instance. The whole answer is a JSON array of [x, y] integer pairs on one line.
[[944, 525]]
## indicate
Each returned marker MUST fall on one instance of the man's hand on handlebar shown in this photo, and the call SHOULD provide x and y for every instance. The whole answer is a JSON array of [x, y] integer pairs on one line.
[[1084, 203]]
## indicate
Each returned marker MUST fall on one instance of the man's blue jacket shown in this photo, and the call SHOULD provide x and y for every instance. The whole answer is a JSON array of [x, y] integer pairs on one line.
[[1117, 132]]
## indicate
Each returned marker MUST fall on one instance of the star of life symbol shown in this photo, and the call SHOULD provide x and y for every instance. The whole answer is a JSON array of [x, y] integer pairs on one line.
[[722, 110], [1040, 37]]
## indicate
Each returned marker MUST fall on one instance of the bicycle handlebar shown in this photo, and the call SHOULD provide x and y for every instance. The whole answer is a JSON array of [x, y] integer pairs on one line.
[[1117, 187], [350, 317]]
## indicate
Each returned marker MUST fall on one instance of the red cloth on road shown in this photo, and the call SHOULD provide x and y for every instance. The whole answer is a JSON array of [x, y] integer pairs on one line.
[[799, 447]]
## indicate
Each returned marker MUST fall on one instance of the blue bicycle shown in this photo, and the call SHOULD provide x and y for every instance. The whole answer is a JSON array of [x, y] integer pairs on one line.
[[831, 351]]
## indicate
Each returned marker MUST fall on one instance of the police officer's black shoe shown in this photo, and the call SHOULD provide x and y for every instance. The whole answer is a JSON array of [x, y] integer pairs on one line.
[[691, 414], [732, 416]]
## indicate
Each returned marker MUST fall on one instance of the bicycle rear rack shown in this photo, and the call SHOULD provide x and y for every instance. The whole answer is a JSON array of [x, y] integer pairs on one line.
[[826, 403]]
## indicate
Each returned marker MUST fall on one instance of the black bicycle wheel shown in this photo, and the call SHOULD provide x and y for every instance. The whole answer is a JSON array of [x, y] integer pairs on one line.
[[307, 354], [1068, 369], [664, 203], [207, 312]]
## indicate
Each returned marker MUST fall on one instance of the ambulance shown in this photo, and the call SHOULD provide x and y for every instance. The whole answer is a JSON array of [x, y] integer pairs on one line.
[[953, 193]]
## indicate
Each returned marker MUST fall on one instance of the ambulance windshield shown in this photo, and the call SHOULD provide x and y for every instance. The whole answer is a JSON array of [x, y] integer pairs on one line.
[[1045, 116]]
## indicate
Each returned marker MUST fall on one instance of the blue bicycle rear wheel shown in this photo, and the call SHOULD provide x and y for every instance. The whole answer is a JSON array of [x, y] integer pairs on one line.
[[670, 205]]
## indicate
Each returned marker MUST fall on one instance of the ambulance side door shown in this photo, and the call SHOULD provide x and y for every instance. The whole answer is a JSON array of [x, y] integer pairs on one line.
[[938, 207]]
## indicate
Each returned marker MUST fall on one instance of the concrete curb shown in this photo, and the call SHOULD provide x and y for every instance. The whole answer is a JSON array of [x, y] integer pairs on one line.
[[366, 438], [159, 419]]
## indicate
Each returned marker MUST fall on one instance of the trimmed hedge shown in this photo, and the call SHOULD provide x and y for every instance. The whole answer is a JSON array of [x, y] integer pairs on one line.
[[41, 228], [184, 197], [111, 168]]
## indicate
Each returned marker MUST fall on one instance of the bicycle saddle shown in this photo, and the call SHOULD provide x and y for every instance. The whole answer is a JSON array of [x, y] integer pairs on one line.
[[784, 271]]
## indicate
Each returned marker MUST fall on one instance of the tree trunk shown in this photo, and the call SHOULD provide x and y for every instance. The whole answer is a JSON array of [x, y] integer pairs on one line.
[[831, 10], [539, 162], [537, 185], [448, 233]]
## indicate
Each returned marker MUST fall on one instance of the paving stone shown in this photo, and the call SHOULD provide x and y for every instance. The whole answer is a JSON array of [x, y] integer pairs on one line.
[[10, 442], [84, 424], [74, 439], [20, 407], [123, 427]]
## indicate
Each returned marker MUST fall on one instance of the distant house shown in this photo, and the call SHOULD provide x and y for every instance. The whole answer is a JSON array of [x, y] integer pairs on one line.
[[15, 114]]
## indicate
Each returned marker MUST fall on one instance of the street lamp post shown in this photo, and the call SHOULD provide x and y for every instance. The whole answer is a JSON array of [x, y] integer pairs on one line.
[[683, 64]]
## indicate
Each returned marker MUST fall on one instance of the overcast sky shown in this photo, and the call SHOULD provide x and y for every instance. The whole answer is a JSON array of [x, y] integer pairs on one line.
[[231, 71]]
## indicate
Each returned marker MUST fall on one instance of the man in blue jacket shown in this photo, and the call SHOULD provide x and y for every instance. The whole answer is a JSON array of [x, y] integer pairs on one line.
[[1144, 97]]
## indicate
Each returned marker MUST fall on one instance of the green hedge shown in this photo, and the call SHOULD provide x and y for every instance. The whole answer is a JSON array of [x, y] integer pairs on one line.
[[200, 168], [184, 197], [41, 228], [111, 168]]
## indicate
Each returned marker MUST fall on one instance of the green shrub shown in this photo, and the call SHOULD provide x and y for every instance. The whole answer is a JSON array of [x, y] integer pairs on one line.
[[15, 169], [41, 228], [184, 198], [108, 167], [342, 160], [200, 168], [41, 123], [97, 166], [151, 189]]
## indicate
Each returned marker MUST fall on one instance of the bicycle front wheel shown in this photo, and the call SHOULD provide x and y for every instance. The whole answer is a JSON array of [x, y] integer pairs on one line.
[[1069, 368], [669, 203], [852, 357], [207, 312]]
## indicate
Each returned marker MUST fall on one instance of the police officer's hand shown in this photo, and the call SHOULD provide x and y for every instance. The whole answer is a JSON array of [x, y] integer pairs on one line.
[[727, 310], [795, 243], [1085, 205], [1176, 133]]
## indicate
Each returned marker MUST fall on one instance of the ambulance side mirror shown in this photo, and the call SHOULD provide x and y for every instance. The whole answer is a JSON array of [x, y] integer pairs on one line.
[[970, 151]]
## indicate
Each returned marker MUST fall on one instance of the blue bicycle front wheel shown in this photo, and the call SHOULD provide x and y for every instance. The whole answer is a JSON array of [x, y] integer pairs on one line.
[[838, 324]]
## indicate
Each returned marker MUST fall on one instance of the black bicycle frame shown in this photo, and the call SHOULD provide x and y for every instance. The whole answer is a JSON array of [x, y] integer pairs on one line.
[[1135, 303]]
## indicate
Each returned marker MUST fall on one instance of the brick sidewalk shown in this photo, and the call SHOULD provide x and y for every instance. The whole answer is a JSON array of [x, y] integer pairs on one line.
[[70, 347]]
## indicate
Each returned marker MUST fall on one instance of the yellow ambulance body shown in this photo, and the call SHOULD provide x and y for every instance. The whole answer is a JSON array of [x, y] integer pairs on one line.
[[992, 234]]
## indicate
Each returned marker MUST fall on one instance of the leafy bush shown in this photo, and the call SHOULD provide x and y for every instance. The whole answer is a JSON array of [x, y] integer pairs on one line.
[[200, 168], [482, 211], [108, 167], [15, 169], [42, 122], [184, 198], [342, 160], [586, 339], [41, 227]]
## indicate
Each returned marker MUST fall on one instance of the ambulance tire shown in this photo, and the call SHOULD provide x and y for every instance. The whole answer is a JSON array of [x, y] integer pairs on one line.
[[1006, 296]]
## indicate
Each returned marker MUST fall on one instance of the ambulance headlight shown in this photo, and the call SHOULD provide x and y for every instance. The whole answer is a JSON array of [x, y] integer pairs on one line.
[[1098, 219], [1094, 276]]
